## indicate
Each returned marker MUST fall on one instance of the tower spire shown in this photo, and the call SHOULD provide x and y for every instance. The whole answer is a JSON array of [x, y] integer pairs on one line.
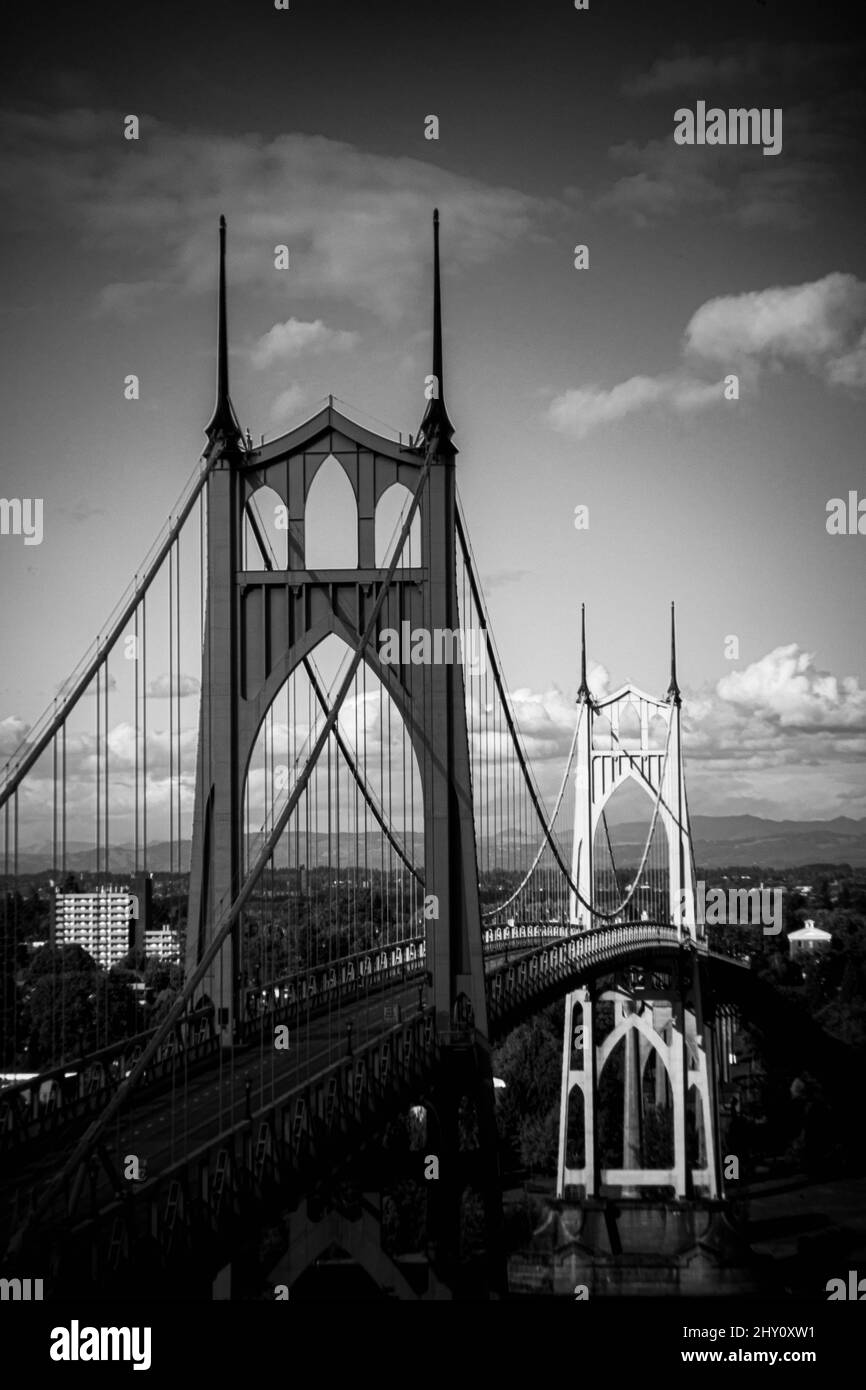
[[583, 689], [436, 415], [673, 690], [223, 422]]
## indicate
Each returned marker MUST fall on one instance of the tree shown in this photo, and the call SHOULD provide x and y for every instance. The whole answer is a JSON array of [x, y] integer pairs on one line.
[[529, 1062], [61, 1016], [822, 899], [539, 1141], [161, 1005], [59, 960], [10, 1013]]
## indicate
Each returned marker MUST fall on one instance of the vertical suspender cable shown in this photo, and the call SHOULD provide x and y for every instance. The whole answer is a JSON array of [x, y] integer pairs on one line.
[[171, 710], [144, 731]]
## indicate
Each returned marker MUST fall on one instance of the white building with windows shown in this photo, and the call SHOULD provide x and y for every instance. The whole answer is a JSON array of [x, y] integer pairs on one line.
[[103, 923], [163, 942], [808, 939]]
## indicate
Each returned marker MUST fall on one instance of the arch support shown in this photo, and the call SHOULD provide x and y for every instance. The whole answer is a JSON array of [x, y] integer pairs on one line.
[[359, 1236], [260, 625], [604, 764], [629, 736], [648, 1017]]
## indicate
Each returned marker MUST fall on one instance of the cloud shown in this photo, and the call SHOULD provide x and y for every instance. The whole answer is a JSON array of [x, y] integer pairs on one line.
[[686, 71], [817, 88], [161, 687], [130, 299], [497, 579], [12, 733], [781, 737], [785, 686], [91, 691], [575, 412], [168, 760], [665, 180], [289, 402], [294, 338], [81, 511], [820, 326], [738, 65], [356, 223], [545, 719], [781, 708]]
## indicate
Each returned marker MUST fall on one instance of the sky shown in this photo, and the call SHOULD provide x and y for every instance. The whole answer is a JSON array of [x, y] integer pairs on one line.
[[601, 388]]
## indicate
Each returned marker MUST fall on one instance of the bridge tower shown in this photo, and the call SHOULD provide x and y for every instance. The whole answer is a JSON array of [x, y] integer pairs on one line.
[[261, 626], [656, 1007]]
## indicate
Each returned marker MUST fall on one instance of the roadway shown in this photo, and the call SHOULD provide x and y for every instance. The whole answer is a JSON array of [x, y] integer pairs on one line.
[[163, 1127]]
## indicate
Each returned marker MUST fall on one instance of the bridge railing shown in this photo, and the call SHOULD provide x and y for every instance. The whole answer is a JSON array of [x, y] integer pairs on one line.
[[79, 1088], [316, 1119], [541, 955], [261, 1160], [512, 983]]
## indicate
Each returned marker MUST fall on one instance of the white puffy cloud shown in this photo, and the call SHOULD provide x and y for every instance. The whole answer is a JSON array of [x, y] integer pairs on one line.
[[545, 721], [355, 222], [162, 686], [12, 733], [820, 325], [577, 411], [295, 338], [785, 685], [289, 402], [780, 737]]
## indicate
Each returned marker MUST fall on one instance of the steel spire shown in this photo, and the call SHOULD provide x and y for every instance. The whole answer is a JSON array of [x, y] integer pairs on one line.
[[436, 415], [223, 423], [673, 690], [583, 692]]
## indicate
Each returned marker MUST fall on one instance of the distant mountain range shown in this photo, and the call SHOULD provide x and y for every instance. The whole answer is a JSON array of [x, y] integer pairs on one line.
[[718, 840], [776, 844]]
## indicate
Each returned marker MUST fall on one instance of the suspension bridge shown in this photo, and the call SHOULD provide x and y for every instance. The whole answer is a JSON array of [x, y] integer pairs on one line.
[[377, 891]]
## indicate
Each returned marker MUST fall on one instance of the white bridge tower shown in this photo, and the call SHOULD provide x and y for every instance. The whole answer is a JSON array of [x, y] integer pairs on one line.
[[654, 1004]]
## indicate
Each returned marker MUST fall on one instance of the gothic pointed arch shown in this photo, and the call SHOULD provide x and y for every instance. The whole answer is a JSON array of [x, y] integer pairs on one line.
[[265, 544], [370, 747], [331, 520], [390, 511]]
